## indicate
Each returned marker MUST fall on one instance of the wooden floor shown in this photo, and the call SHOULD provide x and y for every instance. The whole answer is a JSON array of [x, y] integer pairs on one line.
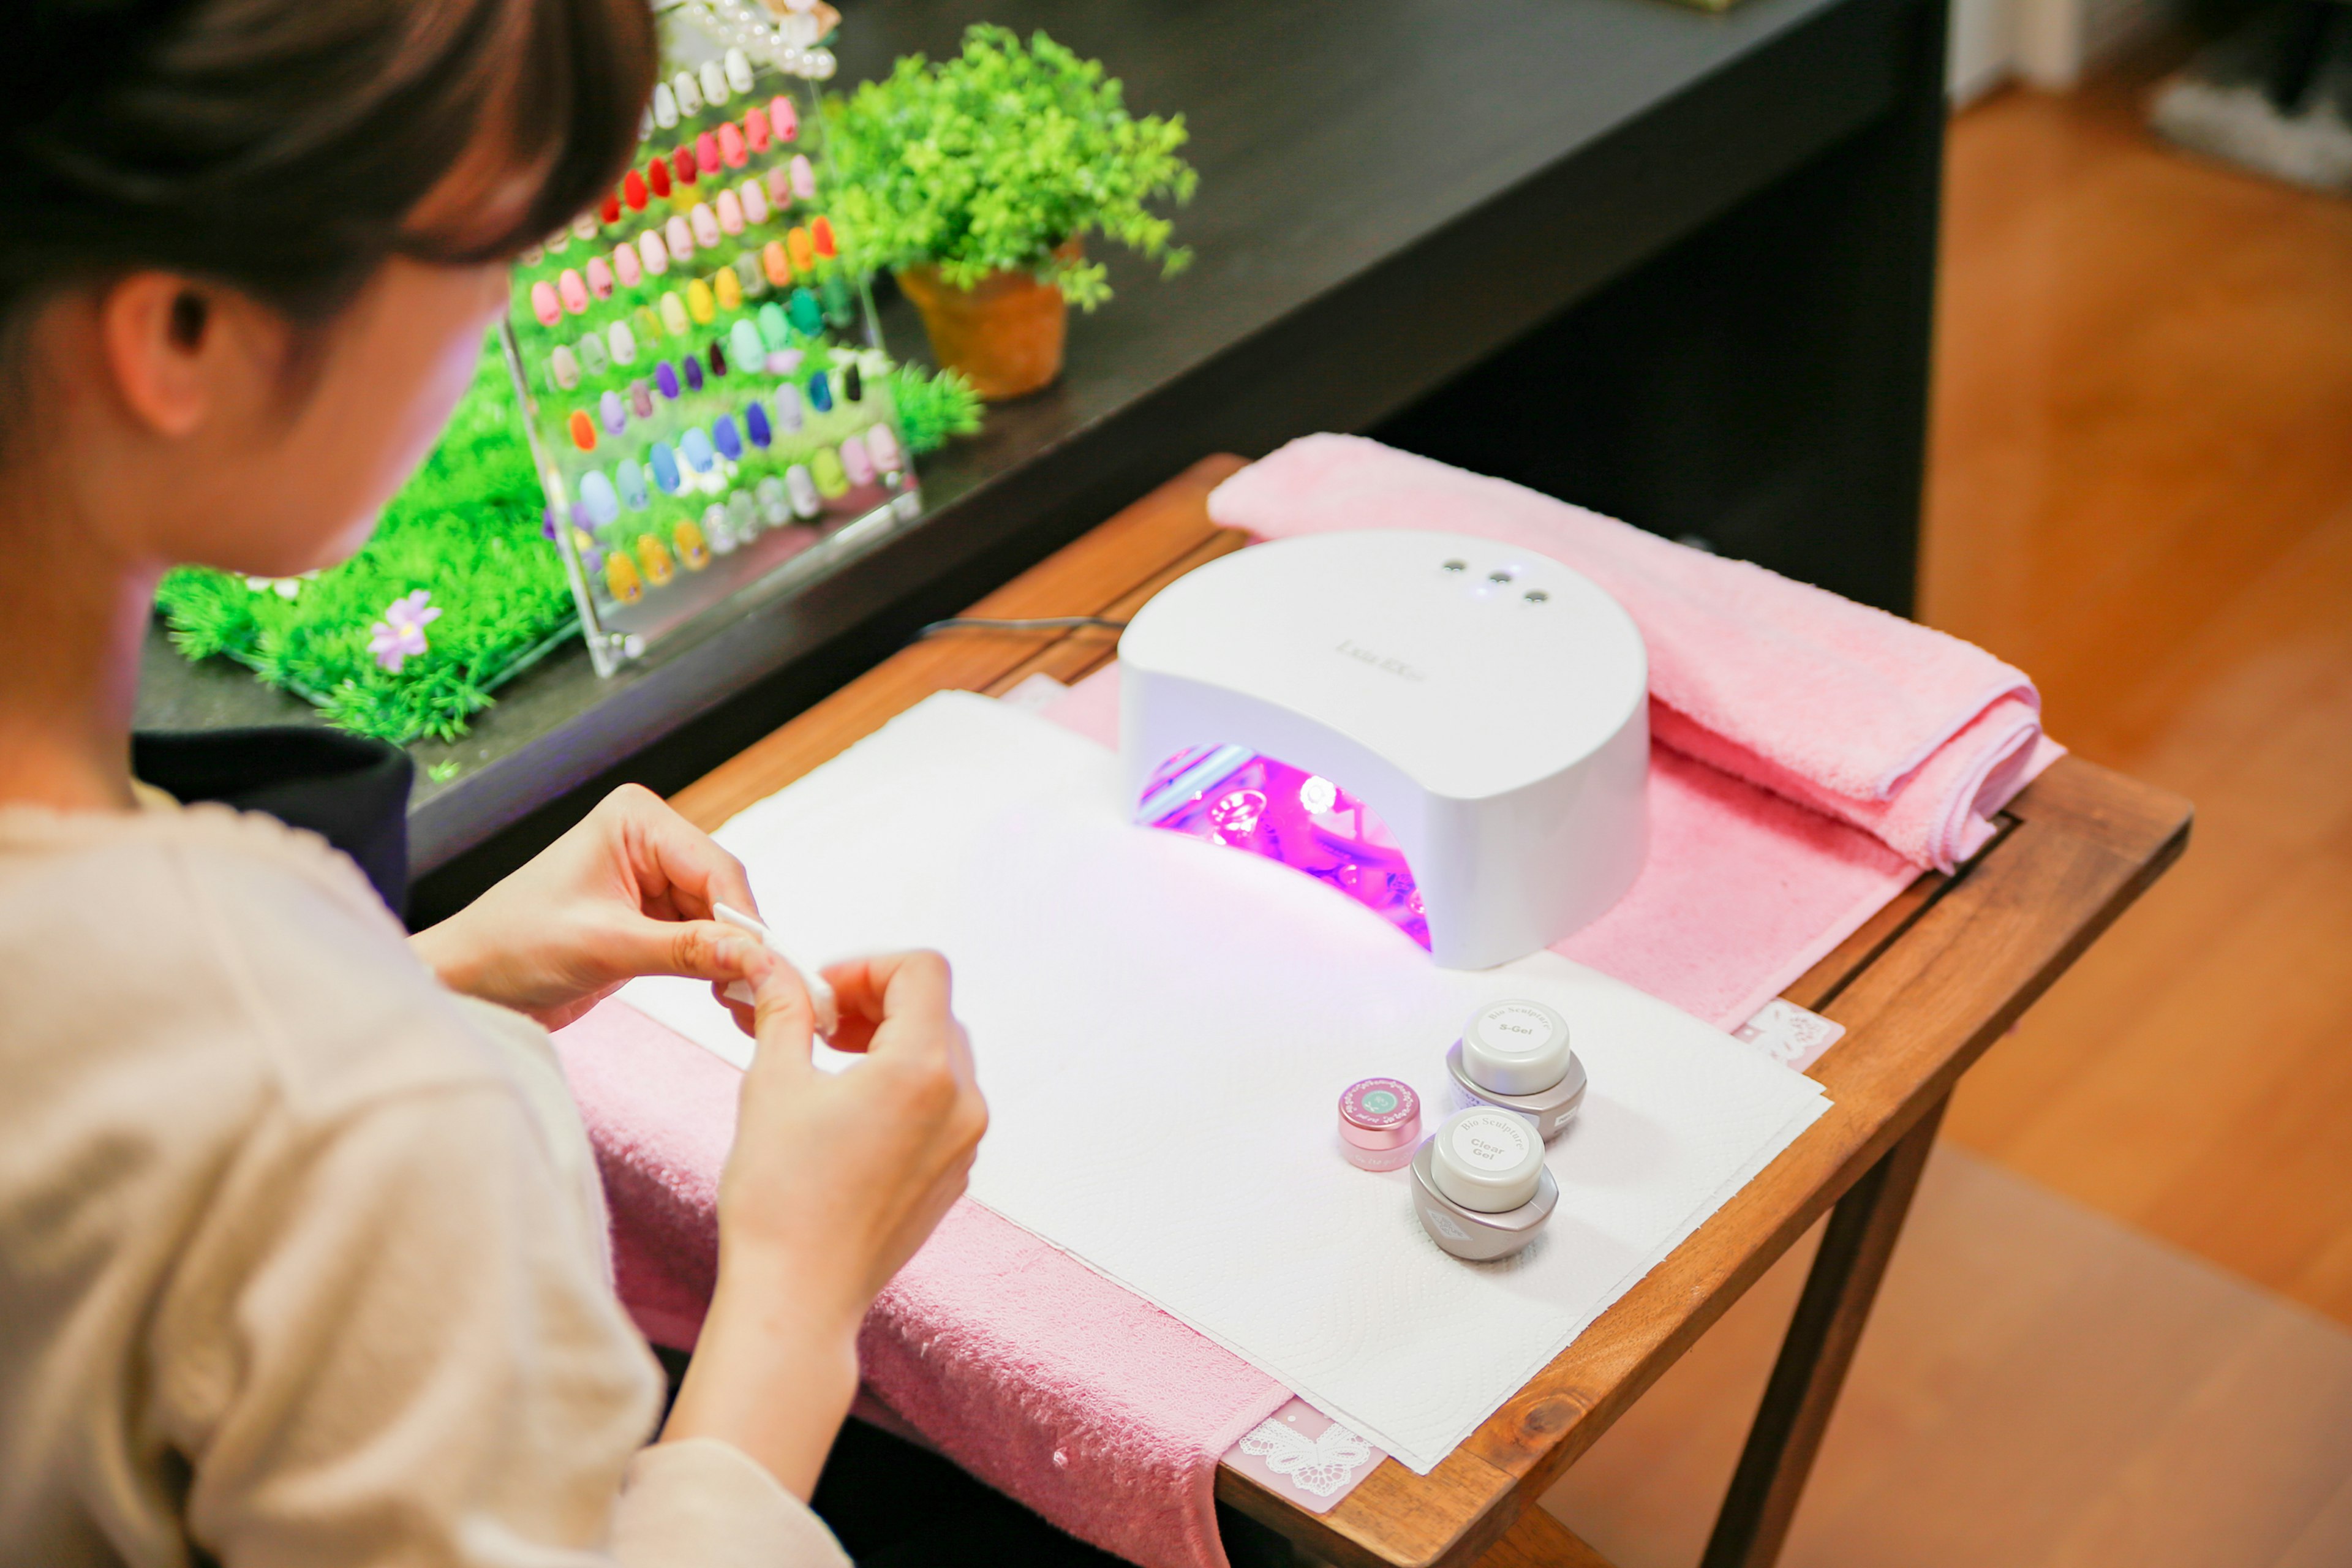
[[2094, 1347], [2039, 1388], [2141, 493]]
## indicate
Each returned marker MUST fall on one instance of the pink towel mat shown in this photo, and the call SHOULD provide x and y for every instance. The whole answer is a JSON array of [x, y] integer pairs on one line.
[[1103, 1413], [1035, 1373], [1914, 736]]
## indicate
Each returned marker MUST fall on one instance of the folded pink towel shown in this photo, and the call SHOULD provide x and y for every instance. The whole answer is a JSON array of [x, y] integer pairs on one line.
[[1912, 735], [1035, 1373]]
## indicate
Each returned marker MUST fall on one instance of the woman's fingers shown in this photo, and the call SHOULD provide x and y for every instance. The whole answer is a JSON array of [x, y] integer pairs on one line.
[[680, 869], [782, 1021]]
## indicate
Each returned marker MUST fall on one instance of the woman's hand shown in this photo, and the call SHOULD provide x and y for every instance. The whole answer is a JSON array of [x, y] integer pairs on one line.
[[834, 1180], [628, 892]]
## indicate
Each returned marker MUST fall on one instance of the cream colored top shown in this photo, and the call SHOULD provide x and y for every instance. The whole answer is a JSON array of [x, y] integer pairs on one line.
[[302, 1256]]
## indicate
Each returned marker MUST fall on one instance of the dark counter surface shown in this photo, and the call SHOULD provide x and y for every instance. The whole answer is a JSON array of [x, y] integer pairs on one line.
[[1391, 191]]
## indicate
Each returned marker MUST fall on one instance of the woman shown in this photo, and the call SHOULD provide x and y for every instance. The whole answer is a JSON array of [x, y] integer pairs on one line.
[[300, 1251]]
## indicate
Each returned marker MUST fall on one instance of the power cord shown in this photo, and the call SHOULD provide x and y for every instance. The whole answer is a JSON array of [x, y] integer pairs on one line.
[[1031, 624]]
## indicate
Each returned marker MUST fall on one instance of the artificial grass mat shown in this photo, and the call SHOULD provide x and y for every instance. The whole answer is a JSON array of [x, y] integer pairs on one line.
[[466, 530]]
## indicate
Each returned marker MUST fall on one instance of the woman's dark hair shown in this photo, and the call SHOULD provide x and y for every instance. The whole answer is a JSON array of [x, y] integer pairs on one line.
[[280, 146]]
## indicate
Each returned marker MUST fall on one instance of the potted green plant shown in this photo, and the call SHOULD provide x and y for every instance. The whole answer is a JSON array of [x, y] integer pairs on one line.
[[977, 180]]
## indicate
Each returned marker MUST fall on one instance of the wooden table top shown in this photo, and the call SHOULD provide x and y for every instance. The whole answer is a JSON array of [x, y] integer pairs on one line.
[[1923, 989]]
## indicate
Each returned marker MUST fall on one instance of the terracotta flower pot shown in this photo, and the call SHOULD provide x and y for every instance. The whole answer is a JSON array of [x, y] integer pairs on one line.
[[1006, 333]]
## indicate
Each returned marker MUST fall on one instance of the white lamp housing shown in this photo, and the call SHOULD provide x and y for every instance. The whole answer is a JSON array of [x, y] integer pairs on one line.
[[1491, 705]]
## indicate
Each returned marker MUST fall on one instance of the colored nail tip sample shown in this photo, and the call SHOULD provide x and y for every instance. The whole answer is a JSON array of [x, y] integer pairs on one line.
[[728, 290], [684, 164], [584, 225], [622, 342], [756, 426], [707, 156], [695, 448], [731, 149], [744, 340], [717, 361], [824, 467], [632, 191], [775, 509], [667, 379], [653, 252], [729, 211], [821, 230], [784, 118], [622, 580], [689, 93], [738, 69], [804, 176], [632, 485], [784, 362], [802, 249], [614, 414], [775, 263], [678, 234], [820, 392], [716, 88], [727, 438], [600, 279], [584, 430], [699, 302], [853, 460], [788, 407], [802, 487], [571, 291], [657, 176], [565, 367], [609, 210], [715, 528], [705, 225], [756, 131], [804, 313], [597, 494], [664, 106], [853, 384], [626, 267], [746, 270], [652, 559], [693, 368], [545, 304], [641, 398], [693, 552], [773, 329], [883, 446], [583, 516], [664, 467], [593, 358], [754, 201], [780, 186], [673, 315], [741, 515]]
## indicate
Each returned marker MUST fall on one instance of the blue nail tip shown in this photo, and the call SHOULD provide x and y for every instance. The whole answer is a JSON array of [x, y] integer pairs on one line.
[[695, 447], [664, 462], [693, 372], [632, 480], [723, 434], [820, 392], [596, 494], [755, 424]]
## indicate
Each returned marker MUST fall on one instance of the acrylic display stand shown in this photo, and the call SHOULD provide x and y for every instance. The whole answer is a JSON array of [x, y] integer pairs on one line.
[[699, 362]]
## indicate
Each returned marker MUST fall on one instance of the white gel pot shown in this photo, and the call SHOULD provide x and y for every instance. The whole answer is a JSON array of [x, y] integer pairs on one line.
[[1479, 1183], [1515, 1055]]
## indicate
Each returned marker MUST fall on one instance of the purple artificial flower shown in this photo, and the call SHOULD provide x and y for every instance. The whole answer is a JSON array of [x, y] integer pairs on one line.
[[400, 636]]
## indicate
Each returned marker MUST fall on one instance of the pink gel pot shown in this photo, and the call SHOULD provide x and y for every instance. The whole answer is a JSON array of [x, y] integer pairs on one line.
[[1380, 1123]]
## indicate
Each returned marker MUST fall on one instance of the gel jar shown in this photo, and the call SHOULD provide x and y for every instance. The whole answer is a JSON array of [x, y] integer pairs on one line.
[[1380, 1123], [1514, 1054]]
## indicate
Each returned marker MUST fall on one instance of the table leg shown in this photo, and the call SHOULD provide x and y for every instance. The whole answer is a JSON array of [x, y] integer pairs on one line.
[[1814, 1355]]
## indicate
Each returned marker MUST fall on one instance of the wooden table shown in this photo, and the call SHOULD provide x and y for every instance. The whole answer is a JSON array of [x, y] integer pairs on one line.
[[1923, 989]]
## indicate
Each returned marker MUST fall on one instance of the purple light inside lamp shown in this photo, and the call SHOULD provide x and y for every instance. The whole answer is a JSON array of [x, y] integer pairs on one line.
[[1227, 796]]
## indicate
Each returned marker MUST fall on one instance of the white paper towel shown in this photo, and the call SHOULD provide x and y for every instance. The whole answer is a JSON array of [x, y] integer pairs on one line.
[[1163, 1028]]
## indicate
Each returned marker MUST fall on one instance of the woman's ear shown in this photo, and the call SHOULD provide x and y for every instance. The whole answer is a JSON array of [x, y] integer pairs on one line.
[[173, 348]]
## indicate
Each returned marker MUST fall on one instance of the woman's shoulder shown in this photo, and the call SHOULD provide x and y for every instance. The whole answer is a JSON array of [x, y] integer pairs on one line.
[[202, 941]]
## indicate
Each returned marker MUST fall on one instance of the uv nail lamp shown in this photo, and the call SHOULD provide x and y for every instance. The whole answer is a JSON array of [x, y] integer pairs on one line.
[[1454, 731]]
